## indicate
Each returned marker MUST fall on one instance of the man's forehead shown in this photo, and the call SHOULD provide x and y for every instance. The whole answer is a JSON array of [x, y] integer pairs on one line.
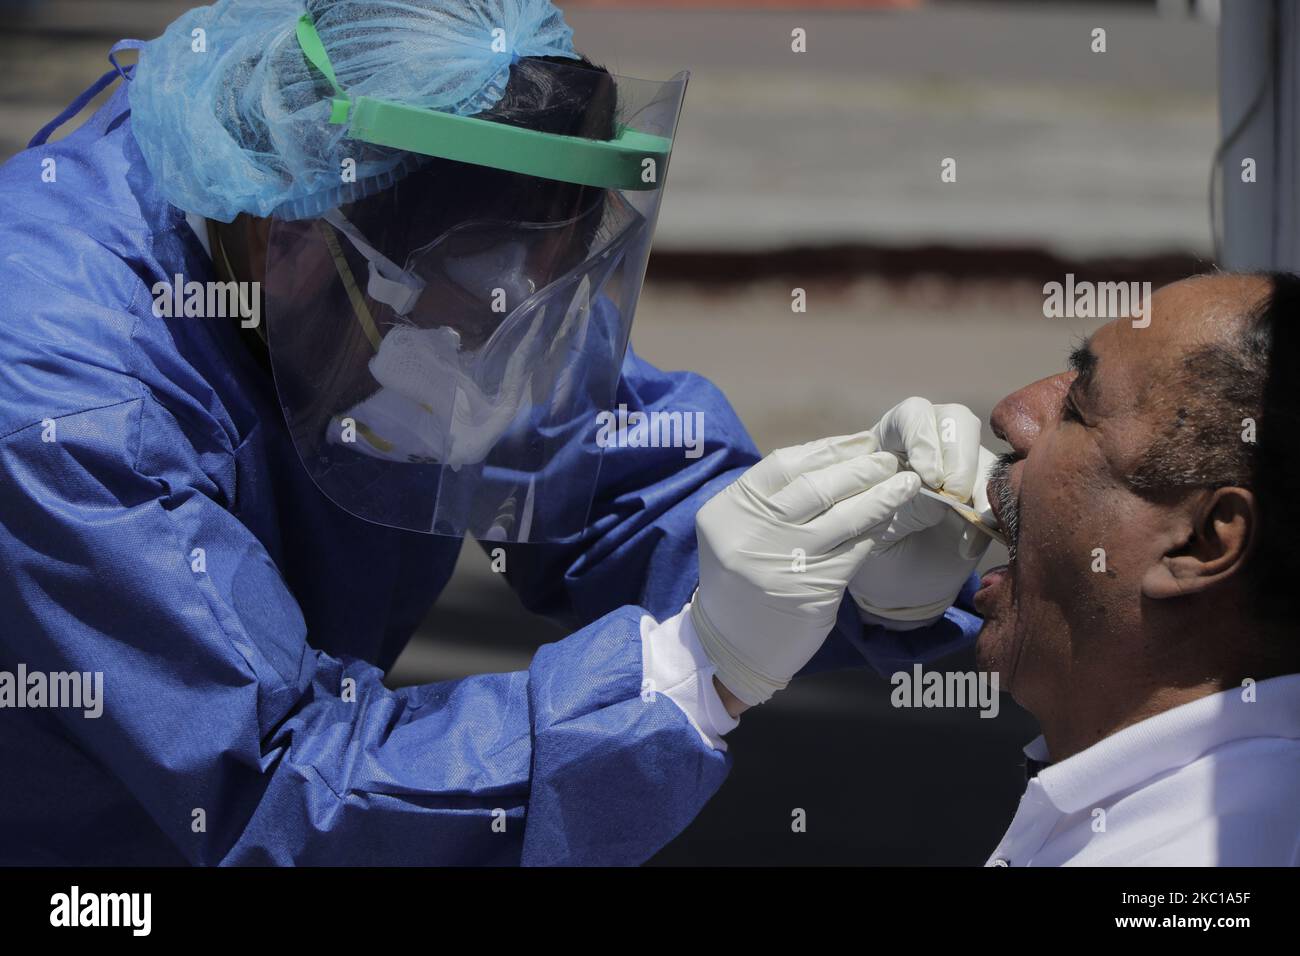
[[1185, 315], [1122, 367], [1195, 311]]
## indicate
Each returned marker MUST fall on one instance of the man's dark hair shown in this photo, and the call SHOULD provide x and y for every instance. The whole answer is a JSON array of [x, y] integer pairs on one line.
[[1240, 380]]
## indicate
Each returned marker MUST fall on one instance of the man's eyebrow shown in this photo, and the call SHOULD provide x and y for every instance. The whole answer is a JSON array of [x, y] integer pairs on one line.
[[1083, 362]]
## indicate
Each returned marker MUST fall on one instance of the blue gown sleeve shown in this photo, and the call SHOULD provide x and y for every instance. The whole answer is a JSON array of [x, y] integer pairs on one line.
[[214, 700], [851, 643], [639, 547]]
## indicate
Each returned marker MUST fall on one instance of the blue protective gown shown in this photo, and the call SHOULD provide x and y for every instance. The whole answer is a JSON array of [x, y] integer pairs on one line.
[[225, 736]]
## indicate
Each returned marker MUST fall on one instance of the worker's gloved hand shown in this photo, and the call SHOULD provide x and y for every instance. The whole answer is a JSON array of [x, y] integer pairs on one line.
[[927, 552], [777, 550]]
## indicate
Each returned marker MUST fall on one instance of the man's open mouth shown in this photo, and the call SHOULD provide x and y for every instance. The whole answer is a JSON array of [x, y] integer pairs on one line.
[[993, 577], [991, 582]]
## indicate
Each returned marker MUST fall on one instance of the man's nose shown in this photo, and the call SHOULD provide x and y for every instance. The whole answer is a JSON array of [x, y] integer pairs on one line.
[[1020, 417]]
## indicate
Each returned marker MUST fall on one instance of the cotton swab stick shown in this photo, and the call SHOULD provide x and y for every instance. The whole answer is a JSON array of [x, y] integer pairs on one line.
[[967, 512]]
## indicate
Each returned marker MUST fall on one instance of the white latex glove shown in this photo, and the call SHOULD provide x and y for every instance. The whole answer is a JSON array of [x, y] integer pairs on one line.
[[777, 550], [927, 552]]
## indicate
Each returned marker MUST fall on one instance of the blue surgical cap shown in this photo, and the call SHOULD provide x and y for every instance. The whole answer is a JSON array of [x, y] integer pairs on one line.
[[232, 118]]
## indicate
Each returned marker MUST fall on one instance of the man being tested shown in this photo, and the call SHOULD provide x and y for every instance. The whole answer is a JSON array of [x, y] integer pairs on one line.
[[1145, 617]]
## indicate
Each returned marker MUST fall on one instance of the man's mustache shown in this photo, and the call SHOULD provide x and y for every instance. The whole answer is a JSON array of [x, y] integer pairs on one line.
[[1007, 505]]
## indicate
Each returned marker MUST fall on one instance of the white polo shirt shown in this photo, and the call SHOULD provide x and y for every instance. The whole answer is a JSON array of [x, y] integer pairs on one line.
[[1212, 783]]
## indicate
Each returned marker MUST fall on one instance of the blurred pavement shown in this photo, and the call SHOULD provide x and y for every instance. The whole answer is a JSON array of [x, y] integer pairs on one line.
[[1080, 153], [1057, 147]]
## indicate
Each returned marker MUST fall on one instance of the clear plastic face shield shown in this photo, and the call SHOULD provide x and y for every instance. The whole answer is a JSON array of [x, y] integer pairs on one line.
[[444, 348]]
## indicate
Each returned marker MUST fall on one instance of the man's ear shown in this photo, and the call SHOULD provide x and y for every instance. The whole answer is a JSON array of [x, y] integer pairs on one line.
[[1212, 548]]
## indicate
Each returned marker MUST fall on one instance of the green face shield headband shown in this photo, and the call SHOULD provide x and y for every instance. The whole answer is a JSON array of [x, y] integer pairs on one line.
[[633, 160]]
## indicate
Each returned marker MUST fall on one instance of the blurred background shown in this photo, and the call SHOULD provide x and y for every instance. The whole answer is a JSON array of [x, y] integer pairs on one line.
[[820, 170]]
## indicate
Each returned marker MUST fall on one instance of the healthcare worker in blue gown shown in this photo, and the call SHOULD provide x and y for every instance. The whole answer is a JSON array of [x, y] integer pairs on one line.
[[322, 288]]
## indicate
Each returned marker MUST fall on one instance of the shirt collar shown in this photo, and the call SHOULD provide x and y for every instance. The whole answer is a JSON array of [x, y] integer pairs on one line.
[[1165, 742]]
